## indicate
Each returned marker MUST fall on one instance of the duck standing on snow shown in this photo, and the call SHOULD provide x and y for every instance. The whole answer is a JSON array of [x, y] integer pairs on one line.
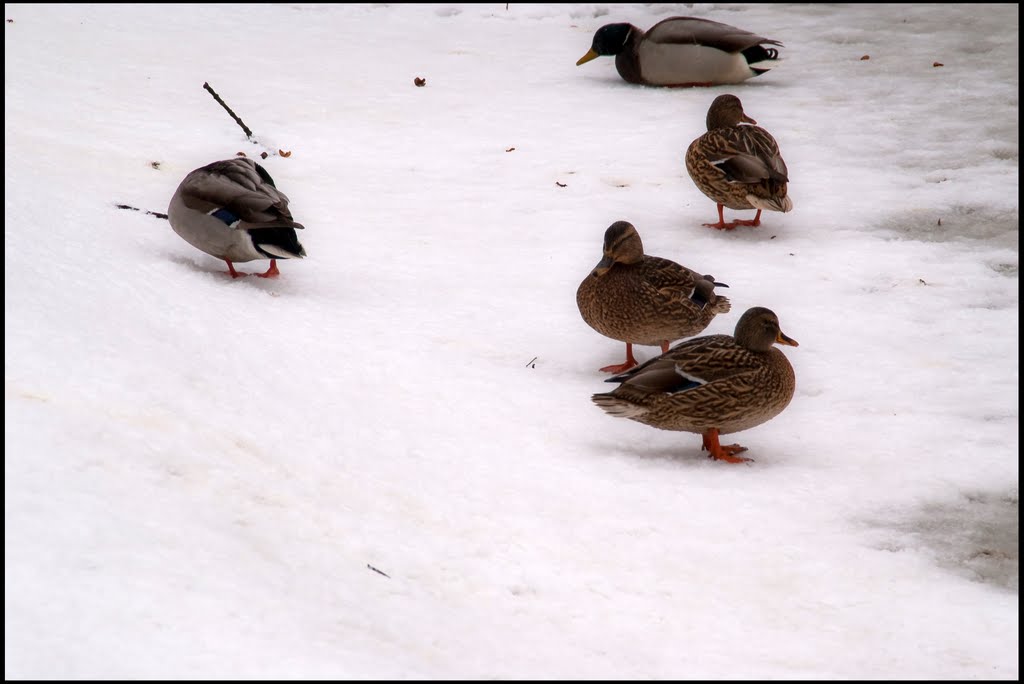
[[713, 385], [233, 211], [641, 299], [683, 52], [738, 165]]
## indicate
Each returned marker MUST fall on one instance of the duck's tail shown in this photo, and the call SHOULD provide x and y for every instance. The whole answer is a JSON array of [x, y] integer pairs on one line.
[[782, 204], [720, 304], [620, 408], [761, 59], [704, 295], [277, 243]]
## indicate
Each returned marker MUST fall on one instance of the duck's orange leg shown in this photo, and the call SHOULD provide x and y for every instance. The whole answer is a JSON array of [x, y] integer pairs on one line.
[[272, 272], [755, 222], [630, 362], [721, 225], [232, 272], [719, 452]]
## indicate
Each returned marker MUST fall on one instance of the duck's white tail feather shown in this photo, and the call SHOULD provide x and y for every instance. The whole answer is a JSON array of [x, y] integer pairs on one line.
[[782, 204], [721, 305], [617, 407], [281, 252]]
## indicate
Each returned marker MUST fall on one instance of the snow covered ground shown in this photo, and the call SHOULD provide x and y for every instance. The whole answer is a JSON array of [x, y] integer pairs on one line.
[[386, 464]]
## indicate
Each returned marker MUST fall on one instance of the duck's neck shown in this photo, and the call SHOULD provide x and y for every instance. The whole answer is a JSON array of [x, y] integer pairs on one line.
[[626, 60]]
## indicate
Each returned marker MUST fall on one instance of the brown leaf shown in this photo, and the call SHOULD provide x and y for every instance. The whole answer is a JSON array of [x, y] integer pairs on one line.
[[263, 155], [935, 64], [510, 149], [865, 57], [239, 154], [420, 82], [284, 154], [155, 165], [561, 185]]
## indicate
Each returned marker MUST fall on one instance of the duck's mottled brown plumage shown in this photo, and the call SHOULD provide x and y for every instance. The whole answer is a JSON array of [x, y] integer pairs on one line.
[[737, 164], [711, 385], [640, 299]]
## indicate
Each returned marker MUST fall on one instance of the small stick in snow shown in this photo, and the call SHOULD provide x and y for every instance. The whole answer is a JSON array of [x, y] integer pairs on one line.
[[530, 362], [248, 133], [151, 213], [378, 571]]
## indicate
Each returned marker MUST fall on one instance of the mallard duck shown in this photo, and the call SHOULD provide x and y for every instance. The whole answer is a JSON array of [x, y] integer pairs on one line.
[[713, 385], [683, 52], [641, 299], [232, 210], [738, 166]]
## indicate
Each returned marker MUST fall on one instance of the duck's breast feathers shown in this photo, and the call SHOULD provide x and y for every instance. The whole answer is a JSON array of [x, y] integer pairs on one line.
[[237, 187], [694, 31]]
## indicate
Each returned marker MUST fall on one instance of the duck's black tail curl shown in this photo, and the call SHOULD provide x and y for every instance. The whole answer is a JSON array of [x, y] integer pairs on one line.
[[277, 243], [759, 53]]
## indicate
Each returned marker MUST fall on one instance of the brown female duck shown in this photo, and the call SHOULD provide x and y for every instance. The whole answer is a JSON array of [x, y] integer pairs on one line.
[[641, 299], [738, 166], [712, 385]]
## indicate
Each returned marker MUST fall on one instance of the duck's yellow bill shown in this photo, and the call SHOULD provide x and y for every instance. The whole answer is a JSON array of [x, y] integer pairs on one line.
[[587, 57], [782, 338]]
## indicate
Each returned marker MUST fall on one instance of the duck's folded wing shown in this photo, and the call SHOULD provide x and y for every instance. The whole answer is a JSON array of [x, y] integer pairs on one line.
[[666, 375], [664, 274], [744, 155], [694, 31], [259, 206]]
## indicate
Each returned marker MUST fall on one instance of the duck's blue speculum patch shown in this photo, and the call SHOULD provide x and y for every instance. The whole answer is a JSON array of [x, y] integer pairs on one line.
[[225, 216]]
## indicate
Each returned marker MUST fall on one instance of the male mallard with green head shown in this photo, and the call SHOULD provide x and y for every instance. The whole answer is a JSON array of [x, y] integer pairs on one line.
[[683, 52]]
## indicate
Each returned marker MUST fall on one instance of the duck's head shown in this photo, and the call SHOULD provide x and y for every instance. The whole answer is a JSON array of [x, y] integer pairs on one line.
[[609, 40], [758, 329], [622, 245], [725, 112]]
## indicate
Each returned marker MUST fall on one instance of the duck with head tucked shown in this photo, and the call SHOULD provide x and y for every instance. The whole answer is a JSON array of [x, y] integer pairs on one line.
[[712, 385], [683, 52], [640, 299], [738, 164], [233, 211]]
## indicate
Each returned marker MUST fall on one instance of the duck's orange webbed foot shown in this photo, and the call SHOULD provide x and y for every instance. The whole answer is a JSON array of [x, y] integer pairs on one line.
[[755, 222], [271, 272], [722, 453], [625, 366], [721, 225]]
